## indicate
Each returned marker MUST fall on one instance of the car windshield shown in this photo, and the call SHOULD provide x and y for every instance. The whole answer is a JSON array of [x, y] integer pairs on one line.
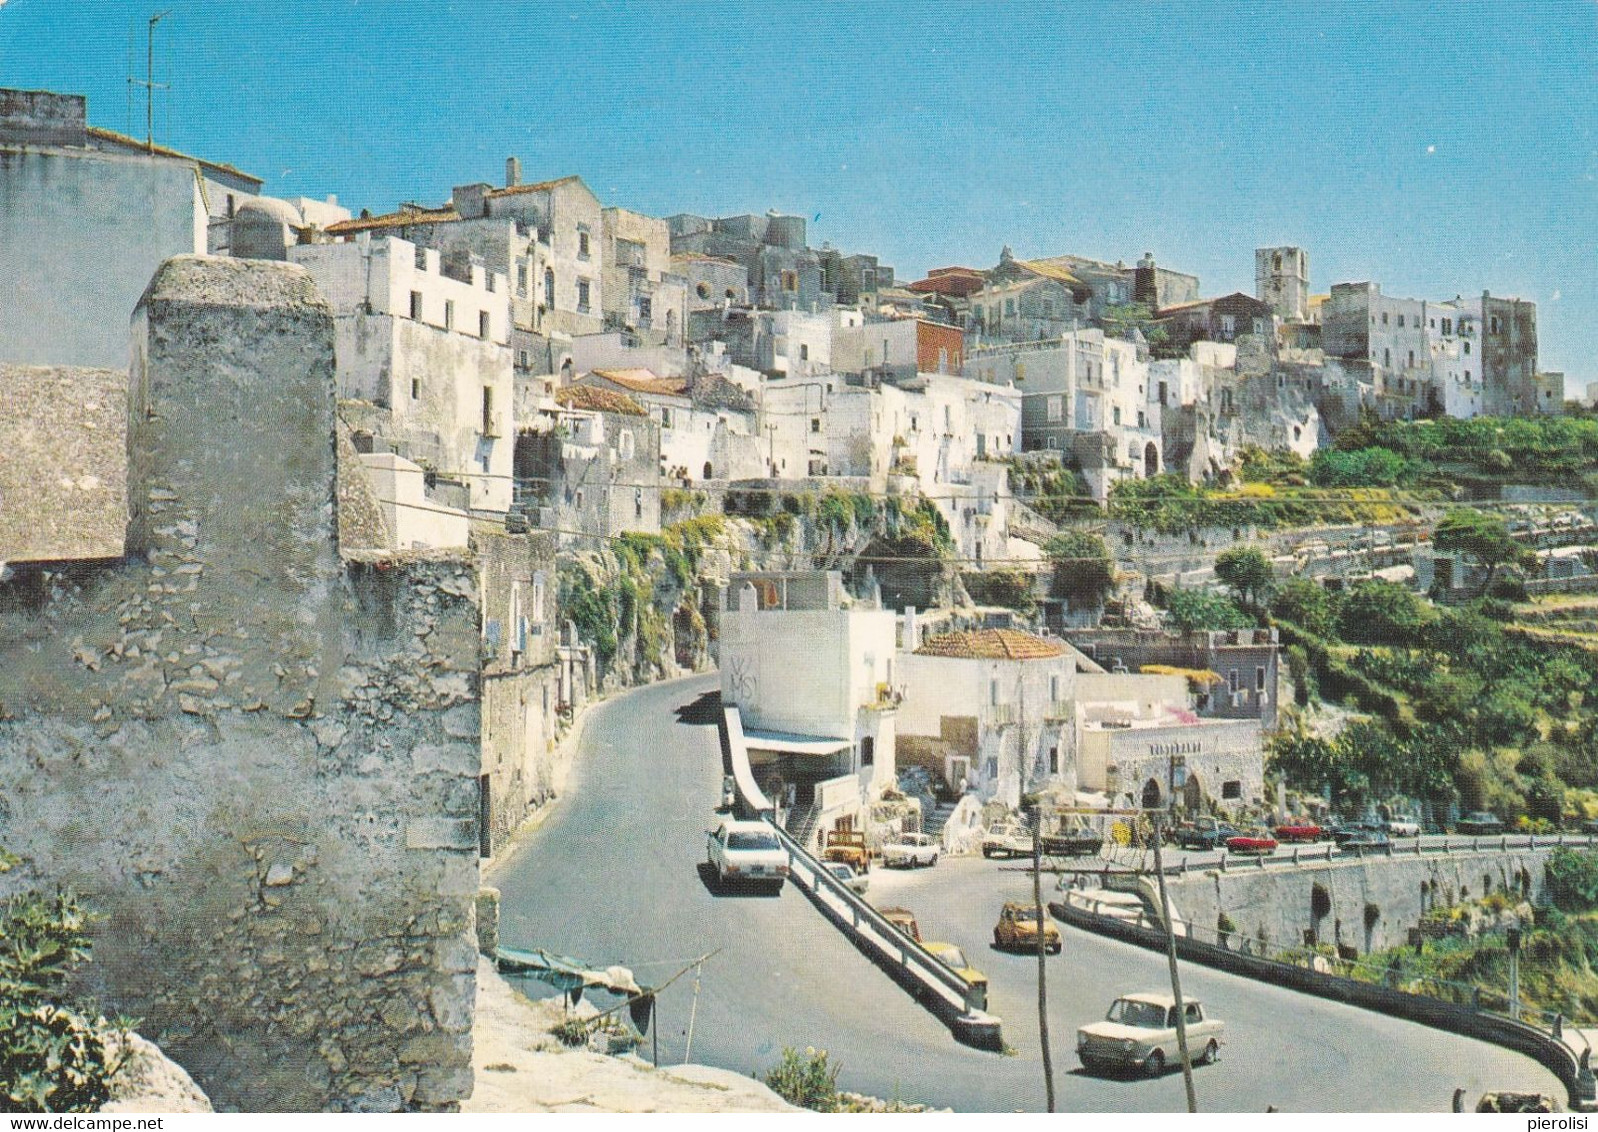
[[737, 840], [1129, 1012], [953, 957], [841, 871], [1026, 913]]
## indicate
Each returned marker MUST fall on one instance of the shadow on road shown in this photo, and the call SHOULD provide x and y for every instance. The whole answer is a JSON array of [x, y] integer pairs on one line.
[[703, 712], [717, 887]]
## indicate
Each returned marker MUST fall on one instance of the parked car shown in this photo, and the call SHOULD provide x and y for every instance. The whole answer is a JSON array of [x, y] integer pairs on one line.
[[1352, 840], [848, 846], [853, 881], [1070, 836], [1359, 830], [1301, 832], [1007, 839], [1017, 929], [1480, 824], [1139, 1032], [746, 851], [954, 959], [911, 850], [903, 919], [1204, 833], [1253, 842], [1403, 825]]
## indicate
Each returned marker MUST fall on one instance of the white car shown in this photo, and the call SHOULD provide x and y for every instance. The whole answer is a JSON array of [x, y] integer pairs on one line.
[[1403, 825], [856, 883], [739, 851], [911, 849], [1139, 1032], [1007, 839]]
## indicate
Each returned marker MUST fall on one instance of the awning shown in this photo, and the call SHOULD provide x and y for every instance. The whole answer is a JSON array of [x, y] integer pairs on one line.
[[787, 743], [565, 973]]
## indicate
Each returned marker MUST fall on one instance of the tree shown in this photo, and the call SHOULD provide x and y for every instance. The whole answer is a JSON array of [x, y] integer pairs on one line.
[[1481, 536], [1083, 569], [1247, 573], [1199, 610], [1307, 605], [1382, 613]]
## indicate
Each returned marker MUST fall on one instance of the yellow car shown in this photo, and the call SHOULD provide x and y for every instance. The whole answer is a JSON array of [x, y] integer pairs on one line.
[[1017, 929], [954, 959]]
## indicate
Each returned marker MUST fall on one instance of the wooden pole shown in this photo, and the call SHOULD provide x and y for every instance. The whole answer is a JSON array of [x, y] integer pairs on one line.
[[1176, 979], [1043, 992]]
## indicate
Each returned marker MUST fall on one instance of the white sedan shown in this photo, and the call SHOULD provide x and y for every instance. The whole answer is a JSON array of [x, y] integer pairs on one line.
[[1139, 1032], [911, 849]]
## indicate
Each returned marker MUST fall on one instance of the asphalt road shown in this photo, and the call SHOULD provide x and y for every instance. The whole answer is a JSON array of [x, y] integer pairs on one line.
[[613, 877]]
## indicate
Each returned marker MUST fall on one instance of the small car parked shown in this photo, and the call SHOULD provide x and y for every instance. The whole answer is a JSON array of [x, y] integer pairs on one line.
[[1480, 824], [911, 850], [1017, 929]]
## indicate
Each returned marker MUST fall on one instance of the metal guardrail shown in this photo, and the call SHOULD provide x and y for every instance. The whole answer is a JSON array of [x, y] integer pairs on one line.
[[1329, 853], [909, 953]]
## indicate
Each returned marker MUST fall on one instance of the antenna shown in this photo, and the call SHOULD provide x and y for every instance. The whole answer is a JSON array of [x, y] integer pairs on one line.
[[148, 82]]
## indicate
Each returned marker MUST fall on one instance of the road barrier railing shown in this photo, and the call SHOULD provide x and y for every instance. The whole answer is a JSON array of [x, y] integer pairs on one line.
[[1440, 1003], [961, 1003], [1327, 852]]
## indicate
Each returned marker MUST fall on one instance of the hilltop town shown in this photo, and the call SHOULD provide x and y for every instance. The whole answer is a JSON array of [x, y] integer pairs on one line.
[[321, 527]]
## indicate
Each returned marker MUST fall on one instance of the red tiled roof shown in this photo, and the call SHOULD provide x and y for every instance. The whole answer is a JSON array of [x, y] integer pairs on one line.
[[595, 399], [991, 644], [163, 151], [541, 186], [404, 218], [645, 381]]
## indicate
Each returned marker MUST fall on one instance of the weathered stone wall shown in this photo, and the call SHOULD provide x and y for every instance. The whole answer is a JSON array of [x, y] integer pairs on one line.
[[258, 761], [1275, 904]]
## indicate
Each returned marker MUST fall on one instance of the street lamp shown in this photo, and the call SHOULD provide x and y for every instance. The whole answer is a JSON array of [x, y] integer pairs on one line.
[[1512, 937]]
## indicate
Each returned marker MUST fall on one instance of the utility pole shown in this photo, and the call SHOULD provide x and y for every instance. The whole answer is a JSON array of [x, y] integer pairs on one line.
[[1176, 979], [1043, 993]]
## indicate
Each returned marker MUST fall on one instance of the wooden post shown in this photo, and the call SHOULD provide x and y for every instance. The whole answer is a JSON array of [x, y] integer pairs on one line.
[[1043, 994], [1176, 978]]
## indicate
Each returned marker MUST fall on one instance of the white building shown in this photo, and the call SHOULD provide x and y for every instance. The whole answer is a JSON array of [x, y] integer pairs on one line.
[[813, 677], [707, 424], [429, 352], [88, 215]]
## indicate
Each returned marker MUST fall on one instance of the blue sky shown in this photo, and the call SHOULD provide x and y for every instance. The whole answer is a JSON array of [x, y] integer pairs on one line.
[[1436, 148]]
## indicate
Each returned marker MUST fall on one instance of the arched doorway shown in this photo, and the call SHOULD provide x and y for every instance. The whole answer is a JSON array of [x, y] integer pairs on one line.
[[709, 472], [1192, 794], [1151, 795], [1151, 459]]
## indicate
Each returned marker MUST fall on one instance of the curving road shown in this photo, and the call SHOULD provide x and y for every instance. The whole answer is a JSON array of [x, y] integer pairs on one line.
[[613, 877]]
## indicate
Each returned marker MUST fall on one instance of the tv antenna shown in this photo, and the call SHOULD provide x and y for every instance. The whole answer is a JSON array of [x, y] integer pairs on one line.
[[148, 82]]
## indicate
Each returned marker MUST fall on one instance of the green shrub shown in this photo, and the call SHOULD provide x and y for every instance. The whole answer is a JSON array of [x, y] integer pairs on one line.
[[1572, 880], [53, 1055], [806, 1079]]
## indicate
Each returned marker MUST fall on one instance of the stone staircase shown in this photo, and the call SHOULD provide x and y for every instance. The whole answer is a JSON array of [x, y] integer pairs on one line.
[[933, 821]]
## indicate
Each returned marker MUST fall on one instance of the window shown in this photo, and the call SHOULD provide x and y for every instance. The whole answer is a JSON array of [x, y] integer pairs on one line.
[[665, 417], [582, 295], [1387, 356], [449, 314], [646, 309], [1492, 326], [482, 324], [790, 280], [1467, 347], [230, 206], [582, 243], [1142, 419], [1116, 414], [1412, 359], [1384, 318], [993, 692], [1448, 326], [416, 388], [549, 289], [1231, 680], [1054, 687], [1009, 308], [1056, 408], [804, 351], [416, 306], [421, 259], [703, 290], [1400, 322], [518, 623], [488, 411], [1232, 789], [1259, 678], [625, 444], [1276, 261], [815, 424], [1228, 325], [537, 617], [521, 279]]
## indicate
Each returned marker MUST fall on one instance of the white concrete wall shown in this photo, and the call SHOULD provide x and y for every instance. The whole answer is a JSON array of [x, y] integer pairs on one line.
[[380, 274], [415, 521], [846, 653], [81, 233]]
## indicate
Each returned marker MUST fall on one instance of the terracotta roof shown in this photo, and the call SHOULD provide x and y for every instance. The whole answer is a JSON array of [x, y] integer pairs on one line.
[[1048, 270], [64, 476], [595, 399], [701, 257], [541, 186], [1196, 303], [991, 644], [404, 218], [644, 381], [164, 151]]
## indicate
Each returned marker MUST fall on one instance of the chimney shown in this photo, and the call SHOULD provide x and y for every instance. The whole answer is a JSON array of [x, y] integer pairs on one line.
[[513, 172]]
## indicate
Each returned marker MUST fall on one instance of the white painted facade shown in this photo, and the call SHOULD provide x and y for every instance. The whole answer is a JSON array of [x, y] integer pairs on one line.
[[414, 521]]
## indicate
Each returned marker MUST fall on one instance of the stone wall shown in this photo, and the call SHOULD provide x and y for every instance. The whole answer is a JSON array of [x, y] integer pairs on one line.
[[257, 759], [1276, 903]]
